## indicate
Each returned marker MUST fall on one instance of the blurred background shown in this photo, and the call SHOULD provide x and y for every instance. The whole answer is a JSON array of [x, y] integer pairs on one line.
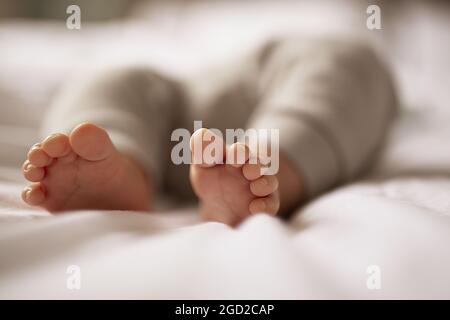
[[96, 10], [184, 38], [39, 55]]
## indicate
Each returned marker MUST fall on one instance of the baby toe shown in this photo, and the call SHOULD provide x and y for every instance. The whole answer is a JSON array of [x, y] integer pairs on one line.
[[56, 145], [264, 186], [34, 194], [238, 154], [91, 142], [32, 173], [207, 148], [270, 204], [38, 157], [252, 171]]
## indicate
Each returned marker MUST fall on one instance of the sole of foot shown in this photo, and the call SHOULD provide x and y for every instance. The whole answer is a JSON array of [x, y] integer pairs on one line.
[[230, 191], [83, 170]]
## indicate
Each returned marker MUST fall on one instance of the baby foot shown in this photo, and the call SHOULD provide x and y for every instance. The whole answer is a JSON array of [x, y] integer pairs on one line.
[[231, 192], [83, 171]]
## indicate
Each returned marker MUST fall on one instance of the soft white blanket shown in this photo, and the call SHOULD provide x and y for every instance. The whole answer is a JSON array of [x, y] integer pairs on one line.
[[386, 236]]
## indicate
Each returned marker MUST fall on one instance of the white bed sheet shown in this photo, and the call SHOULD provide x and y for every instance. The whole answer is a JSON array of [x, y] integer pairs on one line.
[[324, 252], [398, 218]]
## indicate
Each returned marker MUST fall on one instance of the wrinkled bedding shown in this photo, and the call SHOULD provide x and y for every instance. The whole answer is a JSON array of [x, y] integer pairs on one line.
[[397, 218]]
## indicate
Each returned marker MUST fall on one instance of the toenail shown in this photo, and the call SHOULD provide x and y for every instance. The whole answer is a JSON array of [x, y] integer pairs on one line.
[[26, 165], [27, 193]]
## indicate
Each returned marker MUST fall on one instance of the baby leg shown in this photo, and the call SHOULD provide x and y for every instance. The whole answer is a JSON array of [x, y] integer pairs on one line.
[[331, 101], [112, 132]]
